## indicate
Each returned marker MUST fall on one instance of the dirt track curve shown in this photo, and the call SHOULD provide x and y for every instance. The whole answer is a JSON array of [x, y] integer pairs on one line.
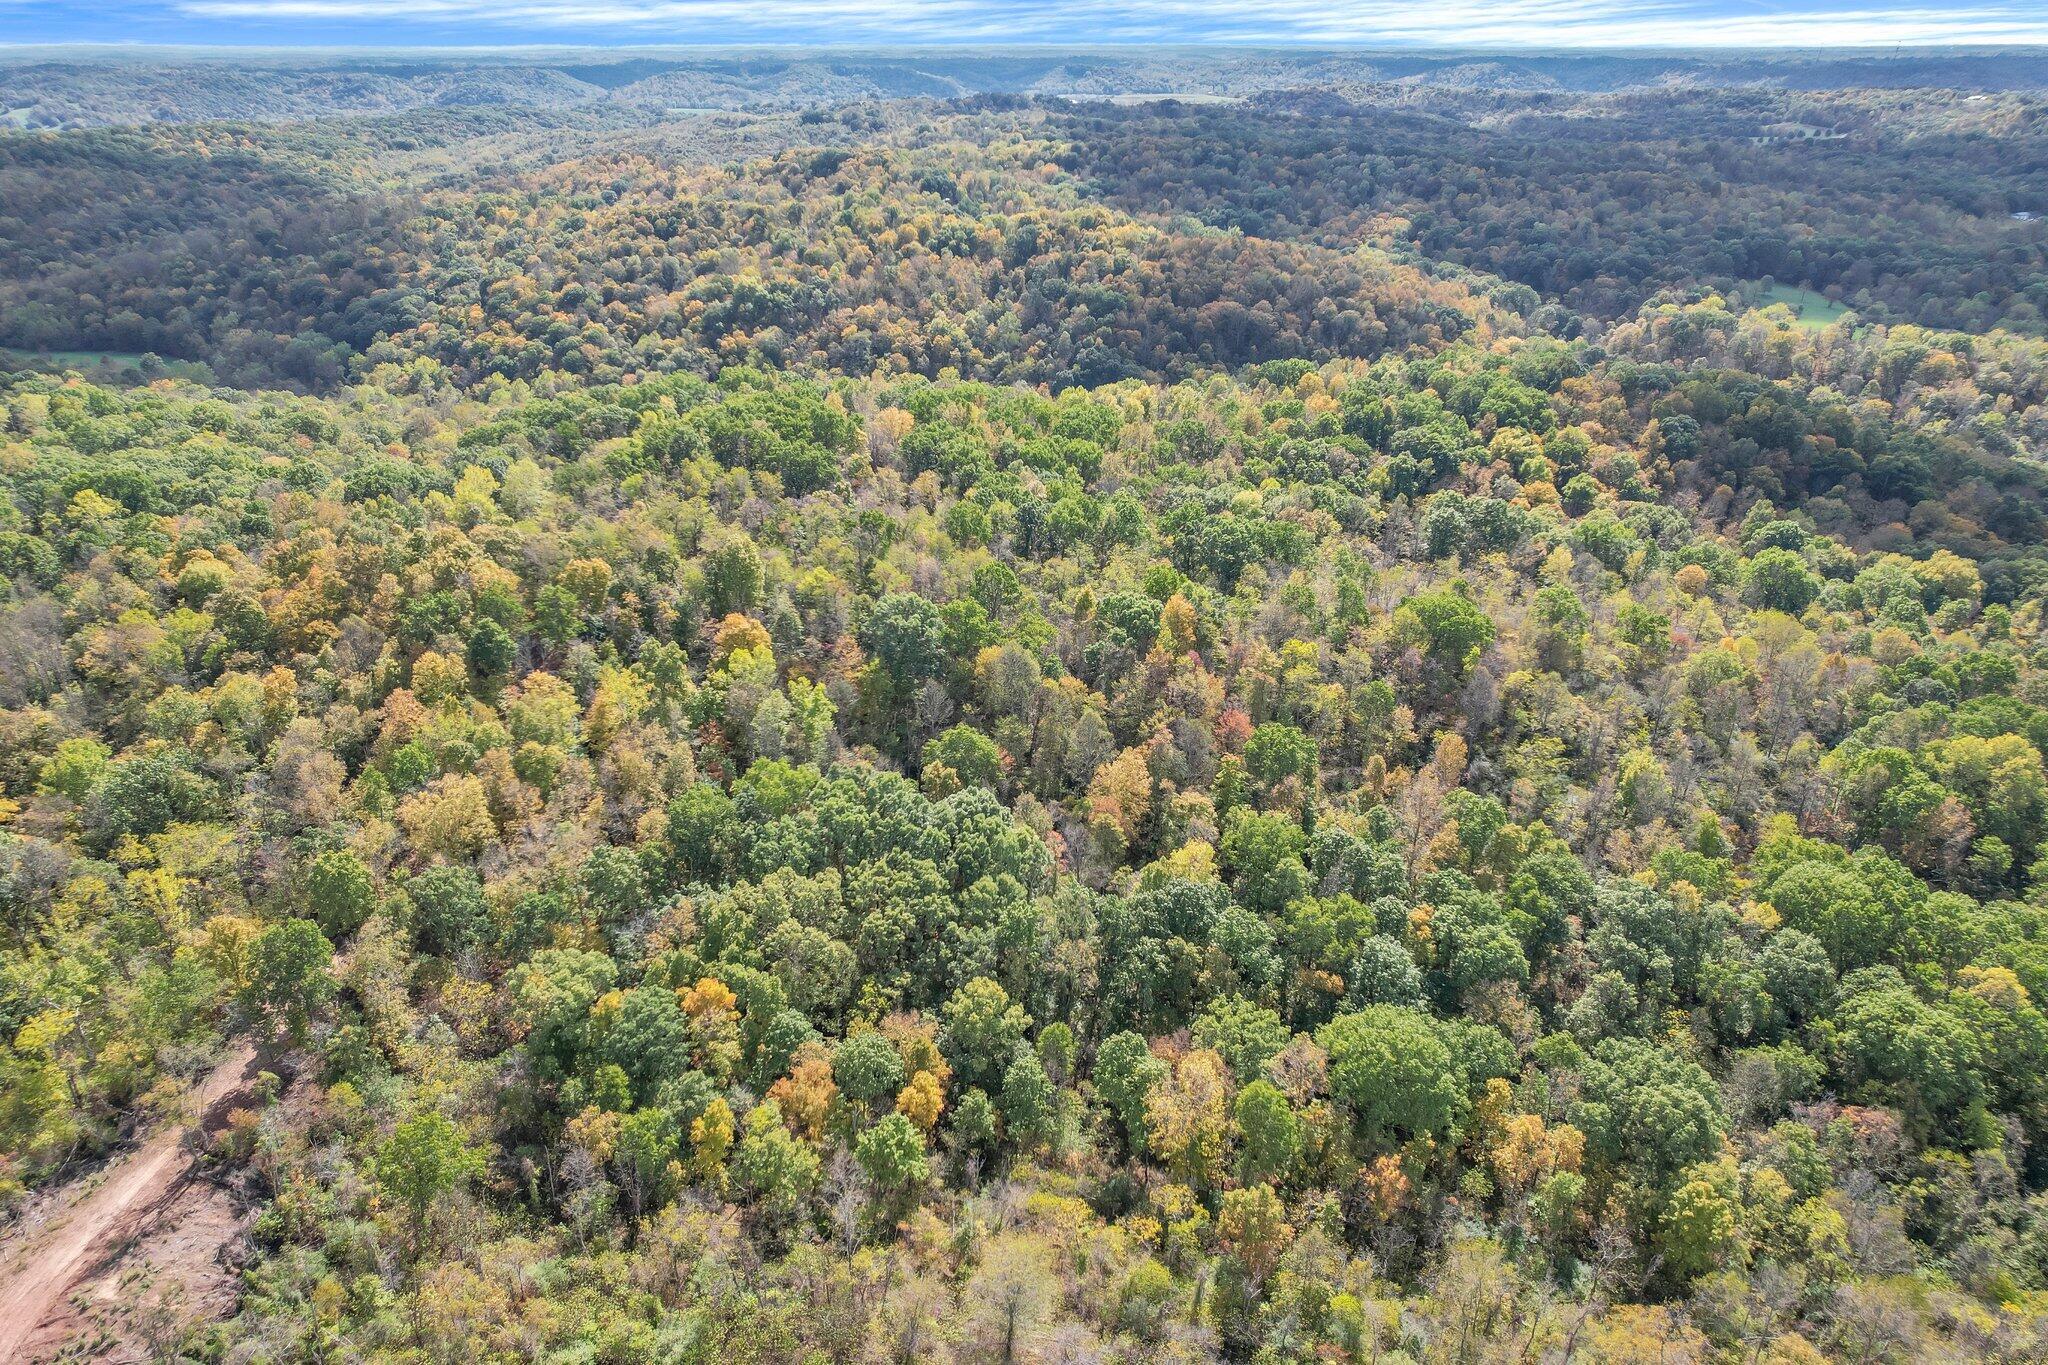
[[86, 1229]]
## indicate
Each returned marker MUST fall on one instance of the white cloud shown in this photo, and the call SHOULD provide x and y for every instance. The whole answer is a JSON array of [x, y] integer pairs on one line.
[[1459, 23]]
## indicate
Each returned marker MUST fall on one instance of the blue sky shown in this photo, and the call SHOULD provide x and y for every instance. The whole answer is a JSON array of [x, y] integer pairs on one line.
[[1389, 23]]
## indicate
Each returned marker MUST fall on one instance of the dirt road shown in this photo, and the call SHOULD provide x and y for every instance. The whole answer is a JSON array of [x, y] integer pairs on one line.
[[82, 1235]]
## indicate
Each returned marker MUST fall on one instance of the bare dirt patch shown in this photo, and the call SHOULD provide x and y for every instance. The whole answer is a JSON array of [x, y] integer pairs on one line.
[[118, 1263]]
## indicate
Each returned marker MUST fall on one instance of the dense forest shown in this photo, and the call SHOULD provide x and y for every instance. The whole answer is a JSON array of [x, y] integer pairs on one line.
[[1602, 205], [1013, 730]]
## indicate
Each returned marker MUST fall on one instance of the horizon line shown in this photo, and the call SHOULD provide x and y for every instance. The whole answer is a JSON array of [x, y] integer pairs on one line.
[[1897, 51]]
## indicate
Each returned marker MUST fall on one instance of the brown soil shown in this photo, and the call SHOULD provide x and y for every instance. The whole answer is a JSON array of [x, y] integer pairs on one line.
[[121, 1259]]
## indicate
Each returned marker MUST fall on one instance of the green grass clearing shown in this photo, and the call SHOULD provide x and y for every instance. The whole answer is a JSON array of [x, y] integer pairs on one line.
[[82, 360], [1812, 310], [101, 364]]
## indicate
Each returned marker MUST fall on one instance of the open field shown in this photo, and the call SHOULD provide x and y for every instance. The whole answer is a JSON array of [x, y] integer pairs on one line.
[[1811, 309]]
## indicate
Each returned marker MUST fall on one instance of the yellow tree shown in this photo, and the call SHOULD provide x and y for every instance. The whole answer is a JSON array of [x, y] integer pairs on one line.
[[1187, 1119]]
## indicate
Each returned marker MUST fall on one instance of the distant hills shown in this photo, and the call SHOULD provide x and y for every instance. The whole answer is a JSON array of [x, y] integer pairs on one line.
[[54, 88]]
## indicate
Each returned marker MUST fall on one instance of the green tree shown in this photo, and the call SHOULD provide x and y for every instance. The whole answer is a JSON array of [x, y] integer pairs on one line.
[[145, 794], [976, 1125], [702, 834], [732, 577], [1244, 1033], [614, 884], [773, 1165], [868, 1068], [1892, 1048], [1837, 907], [1393, 1072], [907, 636], [288, 976], [965, 752], [449, 913], [1269, 1132], [1779, 580], [1276, 752], [1264, 853], [1560, 626], [983, 1029], [1384, 973], [339, 892], [491, 651], [1057, 1051], [892, 1155], [1699, 1229], [1648, 1112], [74, 767], [1448, 628], [425, 1158], [777, 1042], [1028, 1099], [648, 1039], [649, 1158], [1126, 1073]]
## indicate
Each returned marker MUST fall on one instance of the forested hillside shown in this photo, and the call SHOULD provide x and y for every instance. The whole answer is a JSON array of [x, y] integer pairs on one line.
[[1600, 205], [74, 87], [999, 731]]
